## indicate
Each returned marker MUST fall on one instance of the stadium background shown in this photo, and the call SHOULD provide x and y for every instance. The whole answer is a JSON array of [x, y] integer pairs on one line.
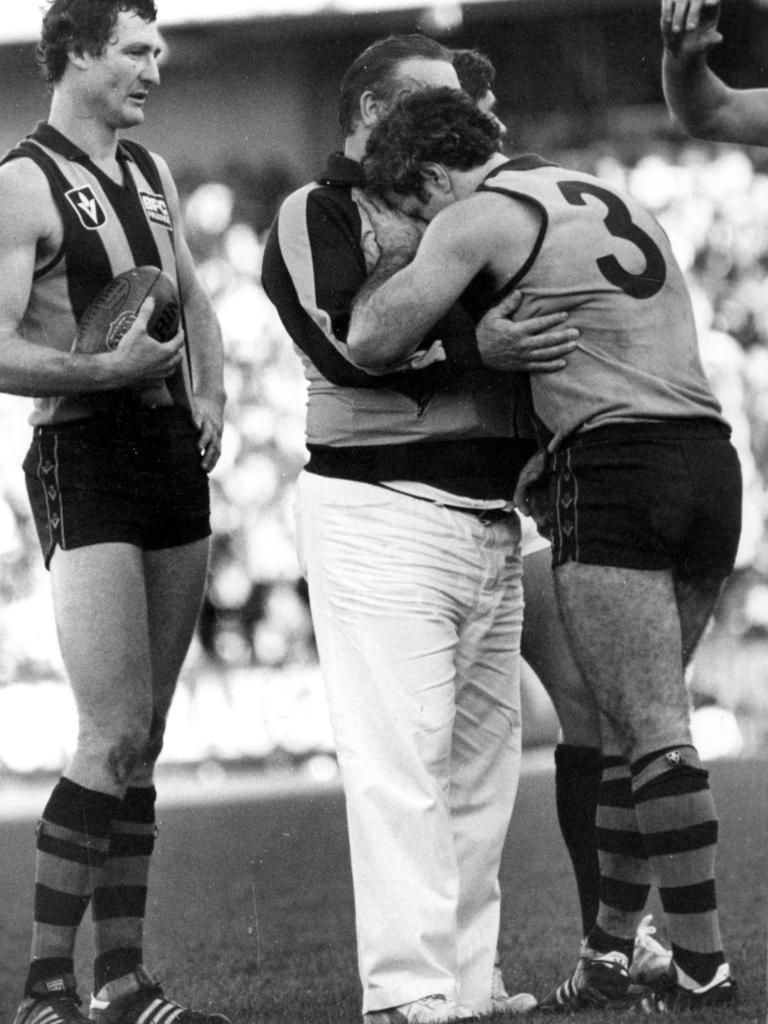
[[245, 113]]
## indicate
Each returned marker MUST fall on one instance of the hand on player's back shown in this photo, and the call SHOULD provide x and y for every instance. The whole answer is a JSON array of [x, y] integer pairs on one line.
[[139, 359], [538, 345]]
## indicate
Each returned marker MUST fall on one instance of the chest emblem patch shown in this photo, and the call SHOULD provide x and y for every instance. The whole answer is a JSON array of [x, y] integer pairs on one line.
[[156, 209], [87, 207]]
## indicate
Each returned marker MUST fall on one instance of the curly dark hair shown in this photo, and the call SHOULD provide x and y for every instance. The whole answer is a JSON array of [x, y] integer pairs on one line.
[[475, 71], [84, 26], [435, 125], [375, 70]]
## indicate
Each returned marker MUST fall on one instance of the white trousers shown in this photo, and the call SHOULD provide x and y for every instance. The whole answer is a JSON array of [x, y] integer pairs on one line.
[[418, 611]]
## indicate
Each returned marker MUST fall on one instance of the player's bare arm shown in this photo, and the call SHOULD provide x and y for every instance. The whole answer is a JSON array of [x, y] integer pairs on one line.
[[204, 337], [30, 237], [537, 345], [395, 308], [702, 104], [397, 305]]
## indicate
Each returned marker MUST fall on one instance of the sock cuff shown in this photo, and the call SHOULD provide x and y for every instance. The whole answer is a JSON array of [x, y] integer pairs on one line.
[[138, 805], [570, 757], [86, 811], [681, 760]]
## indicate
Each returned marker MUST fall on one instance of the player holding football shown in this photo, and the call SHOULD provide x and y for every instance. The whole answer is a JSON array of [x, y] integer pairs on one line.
[[641, 487], [117, 479]]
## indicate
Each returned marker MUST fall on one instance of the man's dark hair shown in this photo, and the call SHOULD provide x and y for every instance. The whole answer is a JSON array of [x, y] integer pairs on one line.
[[435, 125], [85, 26], [475, 72], [375, 71]]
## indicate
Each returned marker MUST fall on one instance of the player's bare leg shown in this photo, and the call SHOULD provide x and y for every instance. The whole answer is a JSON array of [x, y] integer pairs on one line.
[[578, 761], [100, 607], [174, 579], [696, 600], [626, 634]]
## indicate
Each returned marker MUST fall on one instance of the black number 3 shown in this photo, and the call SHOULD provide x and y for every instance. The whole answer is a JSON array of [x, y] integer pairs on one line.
[[620, 224]]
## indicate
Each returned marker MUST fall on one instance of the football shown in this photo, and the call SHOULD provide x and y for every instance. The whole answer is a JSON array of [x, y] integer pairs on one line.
[[111, 313]]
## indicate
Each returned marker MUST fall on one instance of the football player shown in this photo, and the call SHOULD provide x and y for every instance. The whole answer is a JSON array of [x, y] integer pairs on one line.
[[639, 486], [117, 479]]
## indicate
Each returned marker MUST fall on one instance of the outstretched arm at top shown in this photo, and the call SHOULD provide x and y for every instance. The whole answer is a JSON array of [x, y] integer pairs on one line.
[[701, 103]]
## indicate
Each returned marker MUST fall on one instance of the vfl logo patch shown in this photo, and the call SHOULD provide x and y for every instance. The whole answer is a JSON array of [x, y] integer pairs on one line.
[[87, 207], [156, 209]]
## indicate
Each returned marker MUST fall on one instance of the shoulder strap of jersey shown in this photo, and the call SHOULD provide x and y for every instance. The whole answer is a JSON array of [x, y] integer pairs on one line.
[[59, 186], [144, 161], [146, 164]]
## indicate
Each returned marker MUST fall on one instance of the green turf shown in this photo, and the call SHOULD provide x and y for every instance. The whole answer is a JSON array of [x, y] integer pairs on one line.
[[251, 908]]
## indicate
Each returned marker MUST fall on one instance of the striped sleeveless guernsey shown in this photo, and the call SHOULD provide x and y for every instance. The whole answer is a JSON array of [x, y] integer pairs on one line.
[[607, 262], [107, 228]]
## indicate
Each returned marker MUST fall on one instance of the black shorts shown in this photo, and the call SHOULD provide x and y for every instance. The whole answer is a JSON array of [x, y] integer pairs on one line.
[[134, 479], [648, 496]]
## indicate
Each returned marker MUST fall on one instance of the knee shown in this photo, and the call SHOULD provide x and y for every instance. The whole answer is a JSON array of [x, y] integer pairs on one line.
[[121, 750], [123, 756]]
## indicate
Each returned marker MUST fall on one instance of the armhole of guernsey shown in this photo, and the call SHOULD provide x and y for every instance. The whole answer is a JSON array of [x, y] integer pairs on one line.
[[58, 186]]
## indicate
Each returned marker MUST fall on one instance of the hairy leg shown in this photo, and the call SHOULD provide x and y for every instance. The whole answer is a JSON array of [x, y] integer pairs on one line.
[[696, 601], [624, 630], [629, 638], [546, 648]]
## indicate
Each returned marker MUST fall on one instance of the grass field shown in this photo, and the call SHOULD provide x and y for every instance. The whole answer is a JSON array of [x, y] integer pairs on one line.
[[251, 908]]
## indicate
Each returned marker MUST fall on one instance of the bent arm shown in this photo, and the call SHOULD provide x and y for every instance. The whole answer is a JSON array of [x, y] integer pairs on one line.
[[706, 108], [31, 225], [206, 349], [701, 103], [396, 306]]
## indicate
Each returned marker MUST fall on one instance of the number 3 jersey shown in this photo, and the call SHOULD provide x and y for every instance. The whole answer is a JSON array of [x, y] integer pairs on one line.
[[605, 260]]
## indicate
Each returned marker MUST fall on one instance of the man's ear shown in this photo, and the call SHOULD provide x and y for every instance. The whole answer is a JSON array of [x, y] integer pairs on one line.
[[371, 108], [78, 57], [437, 176]]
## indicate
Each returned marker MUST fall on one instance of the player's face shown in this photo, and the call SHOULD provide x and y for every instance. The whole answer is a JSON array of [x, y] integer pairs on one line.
[[119, 79], [487, 105], [423, 209]]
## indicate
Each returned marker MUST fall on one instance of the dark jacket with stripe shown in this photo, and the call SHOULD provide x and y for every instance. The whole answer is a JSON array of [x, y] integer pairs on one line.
[[453, 425]]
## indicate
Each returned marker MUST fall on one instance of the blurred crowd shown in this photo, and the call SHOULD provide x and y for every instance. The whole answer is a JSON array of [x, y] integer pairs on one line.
[[251, 685]]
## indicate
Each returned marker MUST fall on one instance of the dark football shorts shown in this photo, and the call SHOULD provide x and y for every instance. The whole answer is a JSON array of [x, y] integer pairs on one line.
[[134, 479], [662, 495]]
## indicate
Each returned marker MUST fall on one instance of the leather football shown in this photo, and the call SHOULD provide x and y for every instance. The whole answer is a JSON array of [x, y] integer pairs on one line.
[[110, 314]]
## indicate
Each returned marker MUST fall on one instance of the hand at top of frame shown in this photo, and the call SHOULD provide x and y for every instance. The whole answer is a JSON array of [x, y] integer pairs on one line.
[[538, 345], [689, 27]]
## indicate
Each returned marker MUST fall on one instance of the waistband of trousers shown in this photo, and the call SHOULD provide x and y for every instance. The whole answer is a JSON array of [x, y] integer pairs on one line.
[[649, 430]]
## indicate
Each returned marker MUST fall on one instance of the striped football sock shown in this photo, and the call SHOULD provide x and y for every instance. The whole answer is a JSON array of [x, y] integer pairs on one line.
[[72, 844], [625, 876], [679, 823], [119, 902]]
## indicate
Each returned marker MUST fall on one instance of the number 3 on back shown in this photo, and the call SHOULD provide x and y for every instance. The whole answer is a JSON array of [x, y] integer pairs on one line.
[[619, 223]]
